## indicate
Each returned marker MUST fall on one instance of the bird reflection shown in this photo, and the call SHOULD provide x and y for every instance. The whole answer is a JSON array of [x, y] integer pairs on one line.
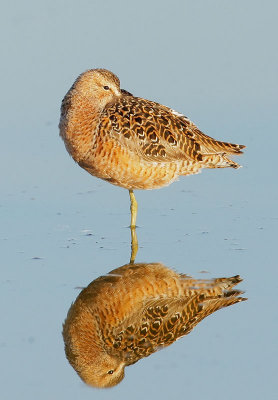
[[133, 244], [134, 311]]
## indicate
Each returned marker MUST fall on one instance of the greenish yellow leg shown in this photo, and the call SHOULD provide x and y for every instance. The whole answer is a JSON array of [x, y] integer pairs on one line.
[[134, 241], [133, 209], [134, 244]]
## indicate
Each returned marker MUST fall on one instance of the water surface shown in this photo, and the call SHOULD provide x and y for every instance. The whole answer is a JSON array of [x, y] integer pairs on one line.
[[61, 228]]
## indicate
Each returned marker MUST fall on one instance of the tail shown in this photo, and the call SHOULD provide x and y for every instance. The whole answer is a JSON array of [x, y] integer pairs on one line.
[[219, 160], [221, 294], [213, 152], [217, 157], [228, 148], [216, 146]]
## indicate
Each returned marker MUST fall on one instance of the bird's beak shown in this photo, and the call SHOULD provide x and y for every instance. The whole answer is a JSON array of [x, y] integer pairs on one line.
[[123, 91]]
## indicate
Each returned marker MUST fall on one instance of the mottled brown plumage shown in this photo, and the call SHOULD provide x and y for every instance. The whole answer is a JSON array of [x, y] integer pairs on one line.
[[132, 142], [134, 311]]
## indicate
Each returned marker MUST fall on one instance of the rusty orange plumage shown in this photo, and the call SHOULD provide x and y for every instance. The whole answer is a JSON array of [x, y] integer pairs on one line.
[[134, 311], [133, 142]]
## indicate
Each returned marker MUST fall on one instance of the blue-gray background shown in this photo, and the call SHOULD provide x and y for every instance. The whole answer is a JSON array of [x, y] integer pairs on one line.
[[214, 61]]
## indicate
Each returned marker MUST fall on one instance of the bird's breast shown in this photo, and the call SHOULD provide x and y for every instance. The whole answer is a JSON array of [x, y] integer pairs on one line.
[[78, 128]]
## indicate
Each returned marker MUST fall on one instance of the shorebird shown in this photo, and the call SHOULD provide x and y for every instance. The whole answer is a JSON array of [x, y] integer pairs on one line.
[[134, 311], [133, 142]]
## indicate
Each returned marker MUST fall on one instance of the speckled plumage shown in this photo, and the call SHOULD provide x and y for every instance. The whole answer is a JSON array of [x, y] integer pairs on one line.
[[134, 311], [132, 142]]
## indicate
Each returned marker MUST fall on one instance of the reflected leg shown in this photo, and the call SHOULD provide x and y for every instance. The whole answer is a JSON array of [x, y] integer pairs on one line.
[[134, 244]]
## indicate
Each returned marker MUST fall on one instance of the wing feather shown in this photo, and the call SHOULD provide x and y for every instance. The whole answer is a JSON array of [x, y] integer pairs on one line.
[[158, 133]]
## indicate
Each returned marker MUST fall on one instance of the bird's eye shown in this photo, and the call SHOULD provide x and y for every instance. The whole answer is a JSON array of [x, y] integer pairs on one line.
[[110, 372], [106, 87]]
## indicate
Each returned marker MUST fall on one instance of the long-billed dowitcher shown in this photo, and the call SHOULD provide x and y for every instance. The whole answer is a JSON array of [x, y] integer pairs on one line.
[[134, 311], [132, 142]]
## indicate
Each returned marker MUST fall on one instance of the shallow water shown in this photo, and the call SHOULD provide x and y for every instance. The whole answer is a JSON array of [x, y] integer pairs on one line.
[[62, 228]]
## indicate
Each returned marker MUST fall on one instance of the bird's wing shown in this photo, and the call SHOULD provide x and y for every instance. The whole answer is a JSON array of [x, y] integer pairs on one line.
[[158, 133]]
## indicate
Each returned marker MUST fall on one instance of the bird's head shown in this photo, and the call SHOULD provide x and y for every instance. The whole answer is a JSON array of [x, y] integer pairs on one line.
[[98, 85]]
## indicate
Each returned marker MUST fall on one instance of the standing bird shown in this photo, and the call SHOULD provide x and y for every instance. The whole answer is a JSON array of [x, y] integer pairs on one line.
[[134, 311], [133, 142]]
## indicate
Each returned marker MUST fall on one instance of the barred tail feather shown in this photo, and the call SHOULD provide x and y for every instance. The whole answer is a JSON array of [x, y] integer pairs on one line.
[[229, 148]]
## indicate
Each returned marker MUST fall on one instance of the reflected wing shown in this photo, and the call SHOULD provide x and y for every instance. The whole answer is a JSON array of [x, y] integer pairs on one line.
[[152, 327], [161, 324], [158, 133], [161, 321]]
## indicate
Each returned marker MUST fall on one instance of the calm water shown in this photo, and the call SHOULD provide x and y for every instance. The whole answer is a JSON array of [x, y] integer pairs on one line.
[[61, 228]]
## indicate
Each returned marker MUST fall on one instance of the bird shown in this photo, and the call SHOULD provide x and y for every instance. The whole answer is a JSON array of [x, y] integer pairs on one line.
[[132, 142], [133, 311]]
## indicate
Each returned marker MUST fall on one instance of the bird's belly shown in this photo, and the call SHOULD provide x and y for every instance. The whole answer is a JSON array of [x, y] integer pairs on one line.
[[130, 171], [134, 176]]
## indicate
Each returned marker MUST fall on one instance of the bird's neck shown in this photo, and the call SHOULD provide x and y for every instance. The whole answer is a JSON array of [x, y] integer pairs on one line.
[[78, 125]]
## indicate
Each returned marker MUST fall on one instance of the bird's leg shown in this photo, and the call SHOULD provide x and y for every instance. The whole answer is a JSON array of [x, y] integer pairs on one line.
[[134, 244], [134, 241], [133, 209]]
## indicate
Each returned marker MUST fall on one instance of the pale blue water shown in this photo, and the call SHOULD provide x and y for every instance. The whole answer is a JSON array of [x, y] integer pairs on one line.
[[217, 63]]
